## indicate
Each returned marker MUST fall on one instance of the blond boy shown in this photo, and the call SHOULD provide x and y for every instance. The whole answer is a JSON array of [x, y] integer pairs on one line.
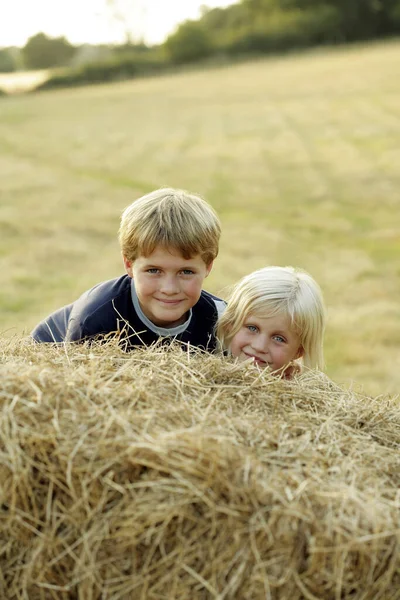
[[169, 239]]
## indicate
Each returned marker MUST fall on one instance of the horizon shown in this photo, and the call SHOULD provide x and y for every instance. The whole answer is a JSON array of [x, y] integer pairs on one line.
[[96, 23]]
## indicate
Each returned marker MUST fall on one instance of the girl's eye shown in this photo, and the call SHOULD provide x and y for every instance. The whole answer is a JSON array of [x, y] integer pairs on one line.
[[279, 338], [252, 328]]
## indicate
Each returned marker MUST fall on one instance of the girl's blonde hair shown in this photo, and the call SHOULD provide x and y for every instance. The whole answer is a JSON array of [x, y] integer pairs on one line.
[[174, 219], [278, 290]]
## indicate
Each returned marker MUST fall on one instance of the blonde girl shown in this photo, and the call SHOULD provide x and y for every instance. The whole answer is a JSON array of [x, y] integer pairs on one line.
[[274, 316]]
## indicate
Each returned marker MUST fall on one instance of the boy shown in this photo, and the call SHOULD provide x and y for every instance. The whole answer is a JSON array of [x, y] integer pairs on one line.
[[169, 240]]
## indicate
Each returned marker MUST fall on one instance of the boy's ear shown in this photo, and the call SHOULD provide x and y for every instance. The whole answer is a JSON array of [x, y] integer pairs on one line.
[[209, 267], [128, 266]]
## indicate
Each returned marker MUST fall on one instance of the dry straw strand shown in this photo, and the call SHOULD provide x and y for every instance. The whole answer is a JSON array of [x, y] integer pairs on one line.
[[170, 473]]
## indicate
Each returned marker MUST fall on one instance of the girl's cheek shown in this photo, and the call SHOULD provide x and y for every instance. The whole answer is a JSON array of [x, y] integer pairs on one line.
[[233, 349]]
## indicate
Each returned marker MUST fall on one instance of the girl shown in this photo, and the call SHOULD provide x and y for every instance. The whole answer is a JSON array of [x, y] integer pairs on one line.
[[274, 316]]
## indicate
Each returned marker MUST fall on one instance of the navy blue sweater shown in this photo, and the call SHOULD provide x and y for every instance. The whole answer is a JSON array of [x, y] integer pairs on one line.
[[112, 307]]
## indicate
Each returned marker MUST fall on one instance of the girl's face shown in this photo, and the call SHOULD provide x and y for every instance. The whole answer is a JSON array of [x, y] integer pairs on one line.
[[268, 342]]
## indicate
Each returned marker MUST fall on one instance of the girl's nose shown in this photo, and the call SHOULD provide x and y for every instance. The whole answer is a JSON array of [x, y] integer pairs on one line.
[[260, 343]]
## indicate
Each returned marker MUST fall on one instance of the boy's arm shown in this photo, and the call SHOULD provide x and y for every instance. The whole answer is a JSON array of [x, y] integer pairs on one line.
[[75, 331], [54, 328], [92, 314]]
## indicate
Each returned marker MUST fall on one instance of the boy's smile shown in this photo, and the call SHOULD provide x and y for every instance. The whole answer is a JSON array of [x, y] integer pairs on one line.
[[167, 285]]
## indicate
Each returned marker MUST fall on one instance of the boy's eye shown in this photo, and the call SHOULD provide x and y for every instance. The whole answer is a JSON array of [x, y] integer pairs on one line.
[[152, 270], [187, 272]]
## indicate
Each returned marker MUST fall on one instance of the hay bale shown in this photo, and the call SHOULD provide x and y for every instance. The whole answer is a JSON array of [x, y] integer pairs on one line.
[[165, 474]]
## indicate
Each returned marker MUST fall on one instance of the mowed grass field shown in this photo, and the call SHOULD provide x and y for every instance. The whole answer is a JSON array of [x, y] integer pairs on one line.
[[299, 155]]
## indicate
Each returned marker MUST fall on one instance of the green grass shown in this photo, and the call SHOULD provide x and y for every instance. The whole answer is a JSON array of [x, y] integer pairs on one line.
[[299, 155]]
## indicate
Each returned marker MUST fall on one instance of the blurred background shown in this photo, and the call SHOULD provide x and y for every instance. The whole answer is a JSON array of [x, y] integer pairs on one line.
[[283, 114]]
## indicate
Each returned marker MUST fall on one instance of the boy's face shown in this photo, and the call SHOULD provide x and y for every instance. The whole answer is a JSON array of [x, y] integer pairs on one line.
[[268, 342], [167, 285]]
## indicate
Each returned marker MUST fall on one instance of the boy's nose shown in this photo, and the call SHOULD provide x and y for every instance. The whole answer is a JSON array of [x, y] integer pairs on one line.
[[169, 285]]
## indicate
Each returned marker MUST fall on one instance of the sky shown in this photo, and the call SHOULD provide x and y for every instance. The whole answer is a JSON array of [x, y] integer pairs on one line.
[[92, 22]]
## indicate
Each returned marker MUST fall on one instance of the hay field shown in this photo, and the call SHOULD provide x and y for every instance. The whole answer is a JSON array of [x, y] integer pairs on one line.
[[166, 475], [300, 156]]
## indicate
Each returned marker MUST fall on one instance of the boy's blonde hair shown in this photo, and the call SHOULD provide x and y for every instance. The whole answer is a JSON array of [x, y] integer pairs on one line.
[[278, 290], [173, 219]]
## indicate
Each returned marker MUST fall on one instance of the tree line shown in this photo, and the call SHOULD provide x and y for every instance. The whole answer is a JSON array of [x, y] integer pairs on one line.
[[263, 26], [247, 27]]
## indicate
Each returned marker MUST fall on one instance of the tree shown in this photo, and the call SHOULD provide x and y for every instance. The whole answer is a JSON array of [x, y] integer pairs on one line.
[[7, 61], [189, 43], [359, 19], [42, 52]]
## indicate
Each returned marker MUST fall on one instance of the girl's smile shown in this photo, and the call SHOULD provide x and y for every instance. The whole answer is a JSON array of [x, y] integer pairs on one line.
[[269, 342]]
